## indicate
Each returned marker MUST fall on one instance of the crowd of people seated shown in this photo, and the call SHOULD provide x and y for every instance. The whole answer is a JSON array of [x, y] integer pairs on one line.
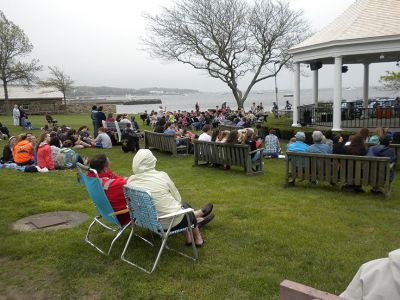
[[360, 143], [195, 120]]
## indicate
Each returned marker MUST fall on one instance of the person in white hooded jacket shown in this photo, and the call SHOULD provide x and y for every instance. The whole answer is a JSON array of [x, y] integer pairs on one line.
[[377, 279], [165, 195]]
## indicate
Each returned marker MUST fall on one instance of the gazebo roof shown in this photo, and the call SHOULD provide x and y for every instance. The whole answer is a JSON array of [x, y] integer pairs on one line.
[[364, 22]]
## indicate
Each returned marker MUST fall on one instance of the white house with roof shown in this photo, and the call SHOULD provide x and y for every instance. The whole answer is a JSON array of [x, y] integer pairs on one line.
[[34, 100], [367, 32]]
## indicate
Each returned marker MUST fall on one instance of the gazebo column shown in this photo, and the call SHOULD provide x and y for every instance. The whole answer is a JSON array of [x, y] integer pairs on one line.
[[315, 88], [296, 103], [366, 84], [337, 95]]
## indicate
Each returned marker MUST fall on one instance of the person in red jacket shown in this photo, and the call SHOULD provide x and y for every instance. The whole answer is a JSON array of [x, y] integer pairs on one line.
[[43, 151], [112, 185]]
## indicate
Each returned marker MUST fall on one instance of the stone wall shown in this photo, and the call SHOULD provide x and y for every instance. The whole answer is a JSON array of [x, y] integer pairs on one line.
[[75, 108]]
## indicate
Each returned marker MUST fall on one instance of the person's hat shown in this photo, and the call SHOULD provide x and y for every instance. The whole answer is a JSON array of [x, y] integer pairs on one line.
[[300, 135]]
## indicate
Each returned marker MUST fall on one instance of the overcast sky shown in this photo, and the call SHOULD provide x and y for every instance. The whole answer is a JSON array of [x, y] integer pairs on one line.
[[97, 42]]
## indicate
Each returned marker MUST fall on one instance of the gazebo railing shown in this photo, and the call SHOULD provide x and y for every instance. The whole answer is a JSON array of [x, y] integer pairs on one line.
[[309, 115]]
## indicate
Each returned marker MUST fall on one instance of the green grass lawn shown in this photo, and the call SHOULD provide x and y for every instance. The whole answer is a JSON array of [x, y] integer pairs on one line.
[[262, 234]]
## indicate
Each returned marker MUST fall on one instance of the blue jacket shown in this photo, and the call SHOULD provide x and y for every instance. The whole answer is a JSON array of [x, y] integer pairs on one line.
[[320, 148], [297, 146]]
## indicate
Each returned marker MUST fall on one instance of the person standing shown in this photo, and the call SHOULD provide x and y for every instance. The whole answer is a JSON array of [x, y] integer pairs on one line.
[[16, 115], [100, 117], [21, 116], [93, 114]]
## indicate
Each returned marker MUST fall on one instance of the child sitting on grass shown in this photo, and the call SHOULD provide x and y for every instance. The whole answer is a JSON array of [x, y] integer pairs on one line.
[[67, 158], [103, 140]]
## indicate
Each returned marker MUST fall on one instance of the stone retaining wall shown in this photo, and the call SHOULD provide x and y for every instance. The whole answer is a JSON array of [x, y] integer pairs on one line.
[[75, 108]]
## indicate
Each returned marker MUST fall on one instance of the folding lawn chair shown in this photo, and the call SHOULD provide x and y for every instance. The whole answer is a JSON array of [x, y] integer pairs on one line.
[[103, 207], [142, 210]]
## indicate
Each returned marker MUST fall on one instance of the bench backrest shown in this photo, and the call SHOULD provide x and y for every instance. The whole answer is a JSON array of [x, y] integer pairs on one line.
[[290, 290], [229, 127], [220, 153], [161, 141], [351, 169]]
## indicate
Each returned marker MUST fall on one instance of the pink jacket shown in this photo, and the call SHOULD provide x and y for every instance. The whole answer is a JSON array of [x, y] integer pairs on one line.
[[44, 157]]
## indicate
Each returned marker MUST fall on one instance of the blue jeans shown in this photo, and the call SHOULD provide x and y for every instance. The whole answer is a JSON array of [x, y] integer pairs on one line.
[[95, 129], [256, 158], [272, 154]]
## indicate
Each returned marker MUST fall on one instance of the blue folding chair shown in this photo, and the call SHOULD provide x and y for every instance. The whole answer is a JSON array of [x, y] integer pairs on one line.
[[142, 210], [103, 207]]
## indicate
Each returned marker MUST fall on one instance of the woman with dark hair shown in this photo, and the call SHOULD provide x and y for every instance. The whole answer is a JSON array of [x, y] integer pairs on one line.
[[215, 134], [114, 184], [233, 137], [364, 132], [329, 138], [338, 145], [356, 147], [8, 150]]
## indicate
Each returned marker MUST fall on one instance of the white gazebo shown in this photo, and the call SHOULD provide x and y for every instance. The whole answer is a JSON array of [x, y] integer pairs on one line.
[[367, 32]]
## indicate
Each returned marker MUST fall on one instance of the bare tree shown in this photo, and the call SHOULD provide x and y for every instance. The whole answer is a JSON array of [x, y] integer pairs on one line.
[[228, 38], [58, 80], [15, 45]]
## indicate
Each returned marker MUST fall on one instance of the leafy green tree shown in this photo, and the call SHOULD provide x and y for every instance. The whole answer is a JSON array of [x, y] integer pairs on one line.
[[14, 46], [58, 80], [391, 81], [228, 39]]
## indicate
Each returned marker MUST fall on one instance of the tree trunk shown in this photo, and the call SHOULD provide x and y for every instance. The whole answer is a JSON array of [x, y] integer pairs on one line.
[[6, 103], [65, 100]]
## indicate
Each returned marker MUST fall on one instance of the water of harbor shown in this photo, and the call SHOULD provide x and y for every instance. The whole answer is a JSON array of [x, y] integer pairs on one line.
[[208, 100]]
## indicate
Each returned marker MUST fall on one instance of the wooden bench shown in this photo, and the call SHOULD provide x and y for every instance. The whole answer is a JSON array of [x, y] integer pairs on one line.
[[165, 142], [118, 127], [334, 168], [226, 154], [290, 290], [223, 127]]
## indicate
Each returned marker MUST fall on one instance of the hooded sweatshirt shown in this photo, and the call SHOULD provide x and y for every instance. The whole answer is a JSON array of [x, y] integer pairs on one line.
[[44, 159], [23, 152], [163, 191], [378, 279]]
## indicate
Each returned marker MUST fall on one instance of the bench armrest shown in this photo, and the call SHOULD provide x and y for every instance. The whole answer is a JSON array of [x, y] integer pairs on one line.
[[254, 151], [181, 212]]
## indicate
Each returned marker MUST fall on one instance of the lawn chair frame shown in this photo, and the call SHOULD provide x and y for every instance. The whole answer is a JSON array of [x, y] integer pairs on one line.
[[142, 210], [103, 207]]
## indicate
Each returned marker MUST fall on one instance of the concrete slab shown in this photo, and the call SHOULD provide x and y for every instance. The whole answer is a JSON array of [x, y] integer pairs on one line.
[[50, 221]]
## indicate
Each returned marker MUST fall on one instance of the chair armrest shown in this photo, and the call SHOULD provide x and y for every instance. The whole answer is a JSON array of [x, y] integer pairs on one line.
[[181, 212], [120, 212]]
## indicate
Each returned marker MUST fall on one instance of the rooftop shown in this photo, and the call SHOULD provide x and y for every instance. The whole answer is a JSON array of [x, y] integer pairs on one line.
[[363, 19], [34, 92]]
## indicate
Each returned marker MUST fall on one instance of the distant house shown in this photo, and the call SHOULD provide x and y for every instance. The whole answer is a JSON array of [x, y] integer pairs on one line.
[[34, 100]]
